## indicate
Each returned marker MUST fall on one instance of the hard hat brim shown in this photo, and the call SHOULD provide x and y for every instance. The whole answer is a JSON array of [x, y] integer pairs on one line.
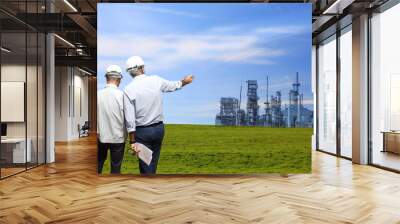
[[114, 75], [137, 66]]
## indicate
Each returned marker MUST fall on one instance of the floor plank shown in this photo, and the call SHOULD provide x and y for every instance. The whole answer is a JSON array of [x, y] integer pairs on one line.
[[70, 191]]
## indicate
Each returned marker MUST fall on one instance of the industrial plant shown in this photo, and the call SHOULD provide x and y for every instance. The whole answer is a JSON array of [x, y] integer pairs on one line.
[[274, 114]]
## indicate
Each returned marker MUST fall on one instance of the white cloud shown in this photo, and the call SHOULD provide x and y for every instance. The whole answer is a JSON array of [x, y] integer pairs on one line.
[[167, 50], [277, 30], [170, 11], [282, 30], [219, 44], [103, 64], [224, 29]]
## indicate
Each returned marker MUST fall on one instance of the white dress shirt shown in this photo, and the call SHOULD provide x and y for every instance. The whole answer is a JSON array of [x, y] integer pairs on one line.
[[110, 115], [143, 103]]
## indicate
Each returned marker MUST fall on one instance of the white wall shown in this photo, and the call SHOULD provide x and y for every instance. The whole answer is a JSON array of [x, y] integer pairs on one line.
[[16, 73], [12, 73], [71, 93], [61, 103], [33, 126]]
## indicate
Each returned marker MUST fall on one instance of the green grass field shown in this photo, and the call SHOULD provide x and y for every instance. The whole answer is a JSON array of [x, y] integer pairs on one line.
[[206, 149]]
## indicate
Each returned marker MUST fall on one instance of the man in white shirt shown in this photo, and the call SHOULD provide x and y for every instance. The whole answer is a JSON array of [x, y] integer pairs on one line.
[[143, 109], [110, 121]]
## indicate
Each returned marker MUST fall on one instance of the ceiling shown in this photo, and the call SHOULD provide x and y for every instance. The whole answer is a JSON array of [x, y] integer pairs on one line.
[[75, 22]]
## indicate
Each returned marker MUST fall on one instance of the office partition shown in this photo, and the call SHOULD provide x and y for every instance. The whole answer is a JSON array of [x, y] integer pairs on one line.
[[22, 78]]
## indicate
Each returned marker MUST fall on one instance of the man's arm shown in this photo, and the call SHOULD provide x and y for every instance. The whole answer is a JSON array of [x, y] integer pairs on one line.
[[170, 86], [130, 118], [132, 138]]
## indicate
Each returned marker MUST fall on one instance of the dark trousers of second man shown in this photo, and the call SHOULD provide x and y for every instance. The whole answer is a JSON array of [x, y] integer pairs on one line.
[[152, 137]]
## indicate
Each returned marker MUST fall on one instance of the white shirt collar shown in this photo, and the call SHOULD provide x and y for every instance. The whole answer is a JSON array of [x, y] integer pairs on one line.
[[111, 85], [140, 76]]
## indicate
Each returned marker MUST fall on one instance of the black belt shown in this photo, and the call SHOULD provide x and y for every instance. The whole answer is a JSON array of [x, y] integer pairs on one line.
[[150, 125]]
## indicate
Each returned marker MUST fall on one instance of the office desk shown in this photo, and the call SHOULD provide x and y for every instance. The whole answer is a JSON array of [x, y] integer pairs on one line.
[[13, 150], [391, 141]]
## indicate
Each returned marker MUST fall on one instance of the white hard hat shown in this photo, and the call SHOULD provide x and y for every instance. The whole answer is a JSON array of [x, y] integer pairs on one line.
[[134, 62], [114, 71]]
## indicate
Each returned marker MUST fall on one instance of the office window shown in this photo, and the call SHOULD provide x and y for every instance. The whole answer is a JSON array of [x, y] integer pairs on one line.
[[22, 92], [314, 90], [385, 88], [346, 92], [327, 95], [14, 153]]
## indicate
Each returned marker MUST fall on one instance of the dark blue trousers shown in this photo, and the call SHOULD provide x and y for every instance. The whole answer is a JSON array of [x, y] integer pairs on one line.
[[152, 137]]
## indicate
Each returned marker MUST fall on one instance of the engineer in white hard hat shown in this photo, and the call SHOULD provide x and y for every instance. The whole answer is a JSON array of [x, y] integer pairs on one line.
[[143, 109], [110, 121]]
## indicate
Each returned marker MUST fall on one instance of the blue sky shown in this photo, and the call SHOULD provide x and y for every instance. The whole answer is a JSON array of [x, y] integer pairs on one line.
[[222, 45]]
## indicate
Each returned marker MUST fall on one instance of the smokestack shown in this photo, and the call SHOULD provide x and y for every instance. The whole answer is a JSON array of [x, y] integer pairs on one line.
[[267, 107], [240, 102], [288, 114], [301, 107], [298, 99], [267, 89]]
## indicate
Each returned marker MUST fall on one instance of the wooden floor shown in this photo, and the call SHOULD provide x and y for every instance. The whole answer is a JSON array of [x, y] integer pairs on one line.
[[5, 172], [70, 191], [387, 159]]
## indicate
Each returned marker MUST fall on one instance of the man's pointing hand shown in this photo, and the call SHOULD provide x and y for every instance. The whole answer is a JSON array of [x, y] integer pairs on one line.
[[187, 80]]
